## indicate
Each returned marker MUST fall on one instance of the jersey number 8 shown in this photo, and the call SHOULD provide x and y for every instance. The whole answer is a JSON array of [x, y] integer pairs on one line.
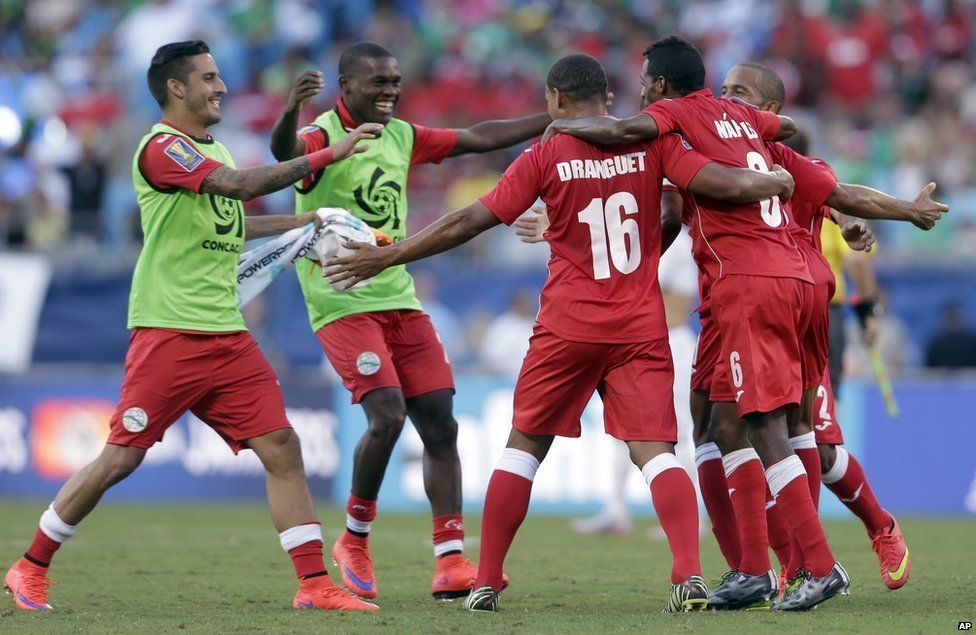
[[609, 224], [769, 209]]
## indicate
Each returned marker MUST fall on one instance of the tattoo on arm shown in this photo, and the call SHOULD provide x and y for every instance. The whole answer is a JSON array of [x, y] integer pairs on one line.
[[247, 184]]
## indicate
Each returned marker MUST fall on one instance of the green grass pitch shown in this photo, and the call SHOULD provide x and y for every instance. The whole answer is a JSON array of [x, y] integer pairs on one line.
[[219, 569]]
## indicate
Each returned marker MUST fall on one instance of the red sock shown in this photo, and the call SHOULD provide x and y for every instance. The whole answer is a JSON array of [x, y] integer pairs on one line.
[[308, 559], [359, 514], [506, 504], [789, 485], [779, 535], [676, 505], [846, 479], [448, 534], [42, 549], [805, 447], [715, 493], [747, 489]]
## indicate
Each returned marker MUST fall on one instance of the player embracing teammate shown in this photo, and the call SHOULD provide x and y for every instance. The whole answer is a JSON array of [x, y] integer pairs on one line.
[[601, 326], [741, 543]]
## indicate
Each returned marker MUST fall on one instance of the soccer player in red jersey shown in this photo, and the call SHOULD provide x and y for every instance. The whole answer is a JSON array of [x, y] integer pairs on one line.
[[818, 435], [601, 325], [190, 349], [761, 300]]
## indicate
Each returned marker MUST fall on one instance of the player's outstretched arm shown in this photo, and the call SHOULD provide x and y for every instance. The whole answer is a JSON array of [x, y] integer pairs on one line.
[[244, 185], [741, 185], [450, 231], [499, 133], [261, 226], [866, 202], [605, 130], [285, 143]]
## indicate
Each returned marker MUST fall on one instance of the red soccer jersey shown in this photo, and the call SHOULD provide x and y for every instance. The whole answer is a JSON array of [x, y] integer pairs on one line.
[[815, 180], [738, 239], [164, 166], [604, 206]]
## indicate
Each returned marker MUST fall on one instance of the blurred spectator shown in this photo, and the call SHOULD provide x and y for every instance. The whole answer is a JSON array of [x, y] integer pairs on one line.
[[954, 344], [507, 337]]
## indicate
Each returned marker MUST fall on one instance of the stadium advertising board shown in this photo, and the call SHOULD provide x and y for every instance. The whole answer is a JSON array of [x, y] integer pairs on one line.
[[573, 479], [50, 427]]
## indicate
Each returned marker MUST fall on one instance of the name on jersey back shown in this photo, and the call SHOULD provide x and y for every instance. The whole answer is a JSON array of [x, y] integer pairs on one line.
[[601, 169]]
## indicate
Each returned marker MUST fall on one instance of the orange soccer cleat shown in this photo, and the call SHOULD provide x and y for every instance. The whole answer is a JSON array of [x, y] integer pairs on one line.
[[455, 576], [320, 593], [893, 555], [351, 554], [28, 583]]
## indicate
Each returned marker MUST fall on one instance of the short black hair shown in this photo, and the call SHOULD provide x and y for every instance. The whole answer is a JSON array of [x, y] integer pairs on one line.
[[799, 142], [580, 77], [172, 61], [353, 55], [770, 85], [678, 62]]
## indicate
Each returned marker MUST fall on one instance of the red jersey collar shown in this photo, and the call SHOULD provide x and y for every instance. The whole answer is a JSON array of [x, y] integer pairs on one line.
[[208, 138], [345, 117]]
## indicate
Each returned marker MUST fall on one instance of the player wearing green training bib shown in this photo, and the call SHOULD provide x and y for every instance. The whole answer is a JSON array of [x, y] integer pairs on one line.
[[190, 349], [377, 337]]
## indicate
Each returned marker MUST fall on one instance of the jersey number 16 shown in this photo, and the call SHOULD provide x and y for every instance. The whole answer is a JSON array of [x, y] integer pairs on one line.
[[609, 225]]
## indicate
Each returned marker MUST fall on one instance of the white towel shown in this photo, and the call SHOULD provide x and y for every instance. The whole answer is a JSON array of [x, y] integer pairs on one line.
[[258, 267]]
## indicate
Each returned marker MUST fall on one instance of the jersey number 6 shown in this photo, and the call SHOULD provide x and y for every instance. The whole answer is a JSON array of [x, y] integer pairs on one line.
[[609, 224]]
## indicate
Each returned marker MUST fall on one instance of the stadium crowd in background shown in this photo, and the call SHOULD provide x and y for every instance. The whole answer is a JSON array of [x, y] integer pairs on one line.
[[886, 88]]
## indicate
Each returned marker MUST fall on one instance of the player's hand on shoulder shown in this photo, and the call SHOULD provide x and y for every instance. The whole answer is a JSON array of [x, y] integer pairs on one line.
[[349, 145], [857, 235], [365, 262], [787, 180], [552, 130], [531, 225], [927, 211], [306, 86]]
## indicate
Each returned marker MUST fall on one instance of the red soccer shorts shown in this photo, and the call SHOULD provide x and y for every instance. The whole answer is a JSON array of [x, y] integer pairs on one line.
[[635, 381], [707, 351], [816, 340], [825, 425], [387, 349], [761, 321], [222, 378]]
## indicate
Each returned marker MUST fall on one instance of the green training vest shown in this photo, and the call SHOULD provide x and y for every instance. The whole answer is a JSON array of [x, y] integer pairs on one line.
[[186, 276], [371, 186]]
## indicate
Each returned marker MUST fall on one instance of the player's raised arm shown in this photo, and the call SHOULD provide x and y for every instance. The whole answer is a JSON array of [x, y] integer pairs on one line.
[[499, 133], [640, 127], [246, 184], [866, 202], [447, 233], [285, 143], [741, 185]]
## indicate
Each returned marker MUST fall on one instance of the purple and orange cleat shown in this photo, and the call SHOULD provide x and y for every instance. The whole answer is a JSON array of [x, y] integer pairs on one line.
[[320, 593], [28, 583], [351, 554]]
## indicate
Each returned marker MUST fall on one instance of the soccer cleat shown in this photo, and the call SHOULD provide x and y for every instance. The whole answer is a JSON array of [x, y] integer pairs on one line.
[[454, 577], [783, 583], [320, 593], [351, 554], [28, 583], [792, 584], [690, 595], [602, 523], [812, 591], [743, 591], [482, 599], [893, 555]]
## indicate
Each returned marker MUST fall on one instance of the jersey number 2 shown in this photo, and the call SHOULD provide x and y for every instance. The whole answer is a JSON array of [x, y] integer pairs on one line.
[[769, 209], [609, 225]]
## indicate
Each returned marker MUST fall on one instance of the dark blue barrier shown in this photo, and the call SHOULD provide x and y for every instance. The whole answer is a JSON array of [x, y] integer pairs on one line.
[[51, 426]]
